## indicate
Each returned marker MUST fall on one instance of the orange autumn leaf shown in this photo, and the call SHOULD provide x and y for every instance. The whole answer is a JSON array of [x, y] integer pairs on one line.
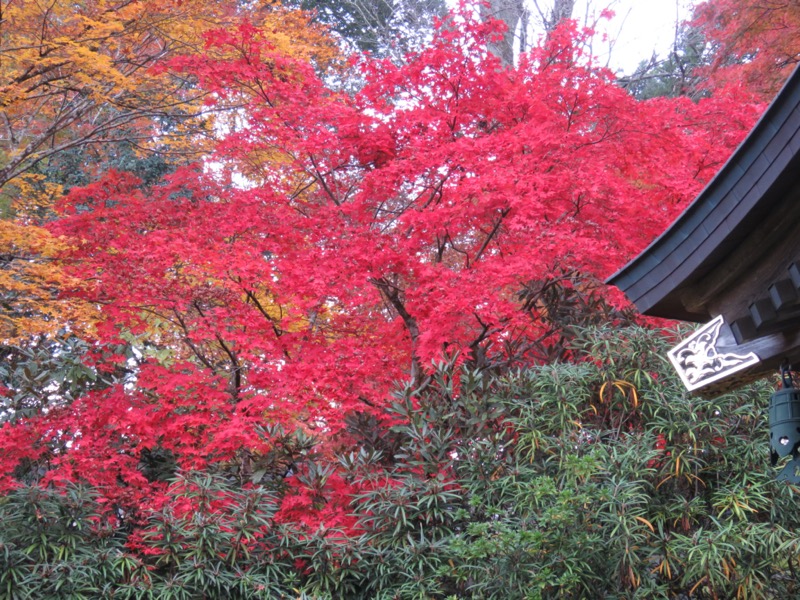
[[86, 73]]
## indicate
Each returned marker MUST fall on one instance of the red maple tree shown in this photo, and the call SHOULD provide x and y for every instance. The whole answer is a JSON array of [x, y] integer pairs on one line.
[[337, 243]]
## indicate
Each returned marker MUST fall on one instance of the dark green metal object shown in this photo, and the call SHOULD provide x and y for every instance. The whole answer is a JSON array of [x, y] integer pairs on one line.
[[784, 428]]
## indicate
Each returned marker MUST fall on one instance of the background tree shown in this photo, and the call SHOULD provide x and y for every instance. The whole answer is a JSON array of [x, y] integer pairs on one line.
[[754, 43], [395, 28], [738, 45], [513, 40], [516, 15], [677, 74], [383, 28]]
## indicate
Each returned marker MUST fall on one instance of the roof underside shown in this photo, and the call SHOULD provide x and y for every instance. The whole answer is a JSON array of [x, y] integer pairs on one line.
[[750, 206]]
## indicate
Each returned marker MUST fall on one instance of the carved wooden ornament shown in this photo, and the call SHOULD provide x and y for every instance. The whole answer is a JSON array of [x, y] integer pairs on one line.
[[699, 361]]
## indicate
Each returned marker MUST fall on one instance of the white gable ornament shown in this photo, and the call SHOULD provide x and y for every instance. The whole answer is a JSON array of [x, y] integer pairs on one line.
[[700, 359]]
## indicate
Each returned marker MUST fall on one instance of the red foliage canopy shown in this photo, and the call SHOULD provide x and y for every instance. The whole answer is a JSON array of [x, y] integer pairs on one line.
[[337, 243]]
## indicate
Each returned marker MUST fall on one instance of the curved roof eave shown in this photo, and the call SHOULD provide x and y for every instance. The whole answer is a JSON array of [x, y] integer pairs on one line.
[[750, 183]]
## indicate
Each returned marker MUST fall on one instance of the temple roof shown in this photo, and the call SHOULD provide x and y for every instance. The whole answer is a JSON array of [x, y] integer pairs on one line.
[[732, 257]]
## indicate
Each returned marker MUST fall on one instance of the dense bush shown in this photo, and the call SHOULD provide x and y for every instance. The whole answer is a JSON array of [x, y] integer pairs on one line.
[[597, 478]]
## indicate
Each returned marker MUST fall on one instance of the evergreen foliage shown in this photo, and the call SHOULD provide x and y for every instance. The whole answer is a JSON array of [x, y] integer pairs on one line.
[[594, 478], [381, 27], [679, 74]]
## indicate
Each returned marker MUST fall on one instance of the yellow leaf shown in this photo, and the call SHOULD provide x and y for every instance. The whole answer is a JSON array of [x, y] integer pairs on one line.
[[646, 522]]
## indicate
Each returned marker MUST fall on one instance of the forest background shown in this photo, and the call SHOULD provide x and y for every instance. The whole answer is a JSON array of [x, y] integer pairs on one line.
[[305, 301]]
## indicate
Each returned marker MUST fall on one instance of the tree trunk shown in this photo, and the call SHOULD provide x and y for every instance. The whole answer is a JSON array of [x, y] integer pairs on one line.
[[562, 9], [516, 16], [511, 12]]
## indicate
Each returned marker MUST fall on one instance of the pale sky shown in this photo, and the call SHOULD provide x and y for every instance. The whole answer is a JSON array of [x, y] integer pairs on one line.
[[639, 27]]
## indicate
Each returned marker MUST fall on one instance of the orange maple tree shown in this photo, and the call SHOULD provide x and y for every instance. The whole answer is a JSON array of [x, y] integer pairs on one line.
[[83, 73], [87, 76]]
